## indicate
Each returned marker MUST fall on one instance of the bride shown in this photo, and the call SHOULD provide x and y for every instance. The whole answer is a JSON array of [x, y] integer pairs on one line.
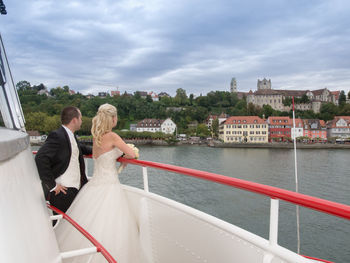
[[101, 207]]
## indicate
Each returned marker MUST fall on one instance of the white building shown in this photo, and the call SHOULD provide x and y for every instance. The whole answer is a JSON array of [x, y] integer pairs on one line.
[[154, 96], [265, 95], [299, 130], [154, 125], [339, 127], [168, 126], [35, 137]]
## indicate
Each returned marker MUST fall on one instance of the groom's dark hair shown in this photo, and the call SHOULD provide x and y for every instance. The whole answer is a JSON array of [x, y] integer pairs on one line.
[[68, 114]]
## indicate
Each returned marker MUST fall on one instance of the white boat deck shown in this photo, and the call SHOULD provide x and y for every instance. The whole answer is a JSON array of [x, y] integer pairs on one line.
[[169, 231]]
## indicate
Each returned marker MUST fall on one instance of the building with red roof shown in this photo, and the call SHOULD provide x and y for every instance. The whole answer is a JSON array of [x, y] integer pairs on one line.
[[315, 129], [280, 128], [244, 129], [339, 127]]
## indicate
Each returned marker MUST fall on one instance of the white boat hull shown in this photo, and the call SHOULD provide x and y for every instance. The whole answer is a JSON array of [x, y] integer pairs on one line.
[[173, 232], [26, 233]]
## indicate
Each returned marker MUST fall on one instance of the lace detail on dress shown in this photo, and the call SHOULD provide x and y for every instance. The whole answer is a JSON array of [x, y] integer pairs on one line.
[[105, 168]]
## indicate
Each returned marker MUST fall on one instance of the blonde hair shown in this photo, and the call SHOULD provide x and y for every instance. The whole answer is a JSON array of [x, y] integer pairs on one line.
[[103, 122]]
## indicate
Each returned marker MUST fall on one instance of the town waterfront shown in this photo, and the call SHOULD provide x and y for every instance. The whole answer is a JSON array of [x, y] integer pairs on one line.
[[323, 173]]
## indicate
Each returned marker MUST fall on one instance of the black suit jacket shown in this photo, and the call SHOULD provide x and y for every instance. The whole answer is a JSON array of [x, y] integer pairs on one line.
[[53, 158]]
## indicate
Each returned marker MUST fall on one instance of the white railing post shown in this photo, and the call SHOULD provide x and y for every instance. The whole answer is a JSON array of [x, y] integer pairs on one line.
[[78, 252], [145, 179], [274, 221]]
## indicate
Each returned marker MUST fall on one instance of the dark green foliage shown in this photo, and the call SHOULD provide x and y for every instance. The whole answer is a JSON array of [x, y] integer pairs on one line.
[[42, 112], [342, 98]]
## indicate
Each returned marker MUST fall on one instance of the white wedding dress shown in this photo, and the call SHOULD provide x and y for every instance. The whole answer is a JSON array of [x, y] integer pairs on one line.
[[101, 208]]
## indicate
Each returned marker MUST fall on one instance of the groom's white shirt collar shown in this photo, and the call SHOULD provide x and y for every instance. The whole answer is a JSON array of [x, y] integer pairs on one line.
[[70, 133]]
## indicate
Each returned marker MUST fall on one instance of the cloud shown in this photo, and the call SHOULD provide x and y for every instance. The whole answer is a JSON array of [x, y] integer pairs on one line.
[[195, 45]]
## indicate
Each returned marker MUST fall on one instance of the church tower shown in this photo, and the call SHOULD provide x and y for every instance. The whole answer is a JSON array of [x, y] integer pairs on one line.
[[264, 84], [233, 85]]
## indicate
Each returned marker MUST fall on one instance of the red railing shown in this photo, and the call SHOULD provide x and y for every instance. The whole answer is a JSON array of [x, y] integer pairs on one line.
[[322, 205], [98, 246], [333, 208], [317, 259]]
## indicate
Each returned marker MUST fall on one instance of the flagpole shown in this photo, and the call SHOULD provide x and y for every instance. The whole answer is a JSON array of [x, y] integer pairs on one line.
[[296, 176]]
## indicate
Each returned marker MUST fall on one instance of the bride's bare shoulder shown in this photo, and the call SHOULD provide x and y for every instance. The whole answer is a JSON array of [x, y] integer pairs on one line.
[[112, 135]]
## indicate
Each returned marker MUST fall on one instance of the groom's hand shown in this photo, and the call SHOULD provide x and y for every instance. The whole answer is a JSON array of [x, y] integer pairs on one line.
[[60, 188]]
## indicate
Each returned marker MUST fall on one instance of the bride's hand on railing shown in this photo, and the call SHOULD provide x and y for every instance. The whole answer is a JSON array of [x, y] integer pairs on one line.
[[136, 151]]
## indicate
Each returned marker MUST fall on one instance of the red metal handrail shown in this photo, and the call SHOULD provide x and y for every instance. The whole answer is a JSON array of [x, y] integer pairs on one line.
[[317, 259], [319, 204], [333, 208], [322, 205], [97, 244]]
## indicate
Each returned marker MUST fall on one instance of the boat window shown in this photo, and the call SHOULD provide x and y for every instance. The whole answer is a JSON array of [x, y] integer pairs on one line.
[[11, 111]]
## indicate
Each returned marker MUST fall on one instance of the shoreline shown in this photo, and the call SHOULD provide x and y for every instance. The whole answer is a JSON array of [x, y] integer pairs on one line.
[[231, 145], [284, 145]]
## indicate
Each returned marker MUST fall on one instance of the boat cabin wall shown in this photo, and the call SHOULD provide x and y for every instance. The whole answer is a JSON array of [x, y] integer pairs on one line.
[[26, 230]]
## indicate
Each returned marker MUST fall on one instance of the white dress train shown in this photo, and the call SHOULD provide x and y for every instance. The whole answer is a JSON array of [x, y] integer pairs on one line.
[[101, 208]]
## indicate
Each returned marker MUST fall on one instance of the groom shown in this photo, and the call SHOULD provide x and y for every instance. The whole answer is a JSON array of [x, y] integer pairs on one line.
[[60, 161]]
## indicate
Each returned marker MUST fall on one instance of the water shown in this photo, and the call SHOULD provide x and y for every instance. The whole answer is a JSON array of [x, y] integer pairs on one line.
[[321, 173]]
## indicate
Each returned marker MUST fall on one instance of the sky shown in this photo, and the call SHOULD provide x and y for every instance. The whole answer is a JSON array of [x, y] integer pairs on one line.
[[196, 45]]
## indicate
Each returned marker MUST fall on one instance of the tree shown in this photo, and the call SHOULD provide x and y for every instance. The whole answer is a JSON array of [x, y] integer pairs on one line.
[[305, 99], [39, 87], [342, 98], [328, 111], [85, 126], [253, 110], [233, 99], [242, 104], [149, 99], [215, 128], [23, 85], [202, 130], [191, 99], [59, 91], [181, 97], [35, 121], [202, 101], [52, 123], [267, 110], [345, 111], [287, 101]]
